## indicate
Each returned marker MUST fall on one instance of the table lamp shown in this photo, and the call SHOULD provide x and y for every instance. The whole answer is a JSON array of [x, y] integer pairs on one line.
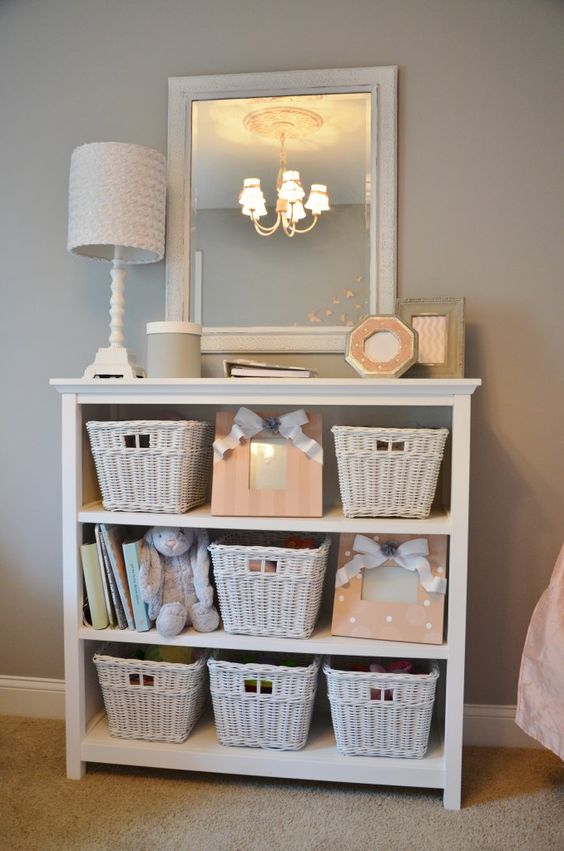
[[117, 197]]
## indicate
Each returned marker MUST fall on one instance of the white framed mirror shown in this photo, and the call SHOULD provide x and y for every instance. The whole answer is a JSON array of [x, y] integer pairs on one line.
[[281, 217]]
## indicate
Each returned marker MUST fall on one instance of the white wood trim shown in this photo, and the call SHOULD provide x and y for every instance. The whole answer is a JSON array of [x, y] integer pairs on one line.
[[381, 82], [75, 707], [32, 698], [491, 725], [224, 391], [485, 725], [319, 759], [333, 521], [458, 564], [321, 642], [328, 339]]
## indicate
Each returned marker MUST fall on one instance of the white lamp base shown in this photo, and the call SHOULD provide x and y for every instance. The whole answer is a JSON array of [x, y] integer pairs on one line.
[[113, 362]]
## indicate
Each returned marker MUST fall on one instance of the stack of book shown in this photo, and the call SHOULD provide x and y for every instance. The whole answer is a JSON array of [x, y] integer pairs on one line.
[[111, 566]]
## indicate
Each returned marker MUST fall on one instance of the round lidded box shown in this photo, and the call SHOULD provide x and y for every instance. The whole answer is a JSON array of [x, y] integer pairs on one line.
[[173, 350]]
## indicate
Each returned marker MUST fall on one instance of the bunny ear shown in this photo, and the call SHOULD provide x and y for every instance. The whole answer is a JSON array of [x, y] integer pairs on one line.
[[189, 535], [146, 545], [203, 538]]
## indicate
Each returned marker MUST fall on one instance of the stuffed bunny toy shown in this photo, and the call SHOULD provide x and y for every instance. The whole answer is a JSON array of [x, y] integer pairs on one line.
[[174, 580]]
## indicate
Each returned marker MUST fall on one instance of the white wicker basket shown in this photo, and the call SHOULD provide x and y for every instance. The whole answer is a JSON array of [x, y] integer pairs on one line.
[[157, 701], [276, 713], [388, 472], [381, 714], [265, 588], [152, 465]]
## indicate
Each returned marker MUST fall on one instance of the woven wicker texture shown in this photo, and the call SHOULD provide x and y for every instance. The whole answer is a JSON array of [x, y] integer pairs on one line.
[[276, 715], [117, 198], [157, 701], [386, 472], [281, 596], [152, 465], [381, 714]]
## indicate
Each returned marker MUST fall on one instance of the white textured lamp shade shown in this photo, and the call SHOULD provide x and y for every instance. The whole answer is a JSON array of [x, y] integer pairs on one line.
[[117, 197]]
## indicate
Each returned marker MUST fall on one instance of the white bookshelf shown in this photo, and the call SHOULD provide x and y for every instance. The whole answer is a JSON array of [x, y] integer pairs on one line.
[[378, 401]]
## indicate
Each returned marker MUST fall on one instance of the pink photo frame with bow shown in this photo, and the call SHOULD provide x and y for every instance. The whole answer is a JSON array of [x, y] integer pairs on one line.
[[237, 473], [391, 587]]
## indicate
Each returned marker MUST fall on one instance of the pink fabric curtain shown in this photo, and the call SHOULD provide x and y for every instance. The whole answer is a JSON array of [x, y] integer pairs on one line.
[[540, 697]]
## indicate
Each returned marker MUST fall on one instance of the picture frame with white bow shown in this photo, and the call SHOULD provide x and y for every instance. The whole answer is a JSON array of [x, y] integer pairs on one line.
[[267, 464], [391, 587]]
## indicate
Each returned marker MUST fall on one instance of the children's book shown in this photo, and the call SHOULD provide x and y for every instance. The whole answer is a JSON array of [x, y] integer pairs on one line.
[[105, 581], [131, 554], [91, 569], [113, 537], [114, 593]]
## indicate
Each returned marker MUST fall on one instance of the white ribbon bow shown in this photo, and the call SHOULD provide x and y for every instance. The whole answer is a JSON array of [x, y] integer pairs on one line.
[[412, 555], [247, 424]]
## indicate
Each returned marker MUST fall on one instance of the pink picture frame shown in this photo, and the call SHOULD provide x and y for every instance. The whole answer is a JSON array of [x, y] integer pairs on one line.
[[233, 493], [389, 602]]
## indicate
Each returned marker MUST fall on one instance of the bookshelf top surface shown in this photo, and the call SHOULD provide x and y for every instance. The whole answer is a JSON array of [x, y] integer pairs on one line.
[[309, 390]]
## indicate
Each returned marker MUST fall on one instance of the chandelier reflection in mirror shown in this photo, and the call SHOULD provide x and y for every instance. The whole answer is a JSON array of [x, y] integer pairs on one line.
[[282, 124]]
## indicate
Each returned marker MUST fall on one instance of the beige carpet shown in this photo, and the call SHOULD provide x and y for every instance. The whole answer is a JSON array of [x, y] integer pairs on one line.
[[512, 799]]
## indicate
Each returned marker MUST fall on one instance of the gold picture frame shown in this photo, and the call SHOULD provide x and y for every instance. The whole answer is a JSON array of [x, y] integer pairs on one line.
[[439, 323]]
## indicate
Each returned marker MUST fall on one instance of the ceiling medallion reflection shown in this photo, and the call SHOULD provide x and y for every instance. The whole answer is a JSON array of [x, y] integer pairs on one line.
[[283, 123], [292, 121]]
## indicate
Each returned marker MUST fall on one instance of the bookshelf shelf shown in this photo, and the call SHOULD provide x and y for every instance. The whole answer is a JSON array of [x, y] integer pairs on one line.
[[409, 401], [319, 760], [321, 641], [333, 520]]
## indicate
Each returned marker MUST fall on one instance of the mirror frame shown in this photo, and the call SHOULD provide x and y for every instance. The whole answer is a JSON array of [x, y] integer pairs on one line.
[[381, 83]]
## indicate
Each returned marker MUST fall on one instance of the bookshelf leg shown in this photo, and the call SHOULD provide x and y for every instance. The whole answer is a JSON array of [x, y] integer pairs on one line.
[[452, 796], [76, 769]]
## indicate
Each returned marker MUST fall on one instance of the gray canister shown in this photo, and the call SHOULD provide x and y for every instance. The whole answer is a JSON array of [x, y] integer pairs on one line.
[[173, 350]]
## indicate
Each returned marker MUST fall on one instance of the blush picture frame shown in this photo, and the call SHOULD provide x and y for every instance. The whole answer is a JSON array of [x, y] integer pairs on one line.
[[298, 488], [440, 324], [382, 614]]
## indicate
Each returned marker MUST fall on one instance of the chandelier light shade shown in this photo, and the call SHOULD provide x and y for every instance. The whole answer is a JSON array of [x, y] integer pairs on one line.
[[288, 122], [117, 195]]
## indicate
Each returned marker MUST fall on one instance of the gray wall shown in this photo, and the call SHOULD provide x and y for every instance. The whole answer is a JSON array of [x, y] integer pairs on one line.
[[480, 191]]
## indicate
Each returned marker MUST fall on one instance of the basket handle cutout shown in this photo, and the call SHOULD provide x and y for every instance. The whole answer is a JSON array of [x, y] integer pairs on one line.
[[143, 680], [258, 686], [390, 446], [262, 565], [381, 695], [137, 441]]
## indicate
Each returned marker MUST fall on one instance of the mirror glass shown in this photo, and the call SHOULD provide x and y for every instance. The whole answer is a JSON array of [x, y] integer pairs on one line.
[[242, 278]]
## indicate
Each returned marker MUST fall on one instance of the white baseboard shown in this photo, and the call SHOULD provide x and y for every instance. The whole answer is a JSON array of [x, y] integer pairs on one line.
[[39, 698], [494, 726], [484, 725]]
